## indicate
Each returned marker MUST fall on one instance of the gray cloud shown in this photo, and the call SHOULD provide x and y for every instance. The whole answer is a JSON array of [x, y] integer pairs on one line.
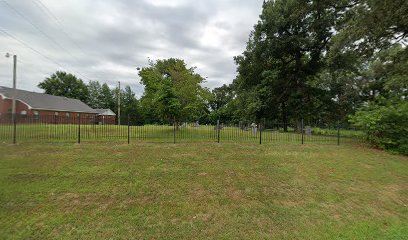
[[111, 38]]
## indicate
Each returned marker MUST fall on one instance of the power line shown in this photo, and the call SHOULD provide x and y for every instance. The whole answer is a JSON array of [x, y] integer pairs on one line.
[[59, 25], [32, 24], [40, 5], [38, 52], [33, 67], [42, 32]]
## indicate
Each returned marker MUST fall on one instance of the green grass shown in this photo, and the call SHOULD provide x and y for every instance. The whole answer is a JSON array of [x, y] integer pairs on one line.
[[165, 133], [201, 191]]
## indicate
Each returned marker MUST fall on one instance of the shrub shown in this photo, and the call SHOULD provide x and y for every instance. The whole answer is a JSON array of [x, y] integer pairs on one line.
[[385, 124]]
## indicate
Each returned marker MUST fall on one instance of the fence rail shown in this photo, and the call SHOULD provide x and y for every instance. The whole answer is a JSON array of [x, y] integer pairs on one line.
[[79, 129]]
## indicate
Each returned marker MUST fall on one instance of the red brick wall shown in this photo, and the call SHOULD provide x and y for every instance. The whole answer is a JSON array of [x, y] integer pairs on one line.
[[110, 120], [6, 105], [3, 107], [45, 116]]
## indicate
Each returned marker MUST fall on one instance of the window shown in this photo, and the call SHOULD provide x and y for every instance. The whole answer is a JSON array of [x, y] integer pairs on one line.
[[23, 114], [36, 115], [56, 113], [66, 114]]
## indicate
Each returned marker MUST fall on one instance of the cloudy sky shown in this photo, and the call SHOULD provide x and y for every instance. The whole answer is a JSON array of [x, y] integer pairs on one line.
[[107, 40]]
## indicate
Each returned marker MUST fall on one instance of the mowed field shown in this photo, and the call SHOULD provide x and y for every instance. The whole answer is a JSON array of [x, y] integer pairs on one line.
[[201, 191]]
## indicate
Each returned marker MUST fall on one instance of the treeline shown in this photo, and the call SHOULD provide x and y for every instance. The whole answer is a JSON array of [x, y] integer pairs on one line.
[[173, 92], [330, 60], [321, 61], [94, 94]]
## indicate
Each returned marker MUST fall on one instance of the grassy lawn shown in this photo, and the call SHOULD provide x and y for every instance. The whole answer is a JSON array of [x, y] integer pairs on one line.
[[199, 191]]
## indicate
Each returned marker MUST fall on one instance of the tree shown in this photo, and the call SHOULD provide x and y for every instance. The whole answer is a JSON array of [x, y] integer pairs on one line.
[[65, 85], [95, 94], [385, 123], [221, 103], [172, 90], [285, 53], [221, 96], [373, 25], [107, 100], [130, 107]]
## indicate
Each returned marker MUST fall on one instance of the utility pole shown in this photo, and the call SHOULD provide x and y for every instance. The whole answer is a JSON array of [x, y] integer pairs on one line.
[[14, 98], [119, 104], [14, 83], [13, 106]]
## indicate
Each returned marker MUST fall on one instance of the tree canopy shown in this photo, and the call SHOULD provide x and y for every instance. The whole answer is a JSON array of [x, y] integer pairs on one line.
[[172, 90], [325, 61], [66, 85]]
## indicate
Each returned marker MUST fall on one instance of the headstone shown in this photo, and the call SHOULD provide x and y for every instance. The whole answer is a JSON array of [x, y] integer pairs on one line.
[[254, 128], [308, 130], [221, 126]]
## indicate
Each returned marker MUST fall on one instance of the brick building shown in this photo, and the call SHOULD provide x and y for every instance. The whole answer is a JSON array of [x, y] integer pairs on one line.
[[105, 116], [39, 107]]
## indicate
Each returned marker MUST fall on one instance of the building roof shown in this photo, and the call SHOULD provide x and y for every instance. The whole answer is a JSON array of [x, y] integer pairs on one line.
[[105, 112], [41, 101]]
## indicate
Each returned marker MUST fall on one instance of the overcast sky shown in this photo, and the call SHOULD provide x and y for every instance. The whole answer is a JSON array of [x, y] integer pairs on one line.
[[107, 40]]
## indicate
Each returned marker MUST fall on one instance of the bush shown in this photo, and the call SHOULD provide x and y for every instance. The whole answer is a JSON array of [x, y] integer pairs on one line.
[[385, 124]]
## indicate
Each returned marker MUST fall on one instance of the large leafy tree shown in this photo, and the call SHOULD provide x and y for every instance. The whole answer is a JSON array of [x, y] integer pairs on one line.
[[222, 104], [285, 52], [95, 96], [131, 106], [372, 25], [221, 96], [172, 90], [66, 85], [107, 98]]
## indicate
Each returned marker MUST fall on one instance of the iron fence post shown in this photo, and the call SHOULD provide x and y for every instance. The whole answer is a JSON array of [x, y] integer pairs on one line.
[[174, 130], [302, 129], [128, 133], [14, 128], [218, 131], [338, 133], [79, 128], [260, 132]]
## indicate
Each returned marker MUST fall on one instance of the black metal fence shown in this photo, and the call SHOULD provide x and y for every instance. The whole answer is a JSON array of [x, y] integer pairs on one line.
[[79, 129]]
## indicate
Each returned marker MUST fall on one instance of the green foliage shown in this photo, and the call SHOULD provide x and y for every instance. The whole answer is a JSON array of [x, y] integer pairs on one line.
[[285, 52], [65, 85], [106, 98], [386, 124], [95, 94], [130, 107], [172, 91], [373, 24], [324, 60], [222, 103]]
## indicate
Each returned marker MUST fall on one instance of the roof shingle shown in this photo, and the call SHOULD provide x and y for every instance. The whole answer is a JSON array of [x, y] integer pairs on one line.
[[41, 101]]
